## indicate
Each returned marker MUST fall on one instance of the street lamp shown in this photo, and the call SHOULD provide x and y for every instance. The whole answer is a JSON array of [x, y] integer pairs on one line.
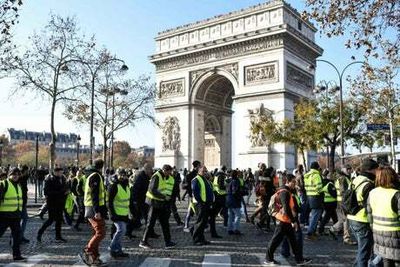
[[93, 72], [327, 87], [78, 139], [113, 92], [340, 76]]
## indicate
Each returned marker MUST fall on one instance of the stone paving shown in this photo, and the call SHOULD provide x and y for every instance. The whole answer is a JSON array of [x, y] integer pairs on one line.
[[246, 250]]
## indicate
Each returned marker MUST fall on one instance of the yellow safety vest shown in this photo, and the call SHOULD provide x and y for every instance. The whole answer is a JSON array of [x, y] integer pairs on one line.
[[313, 183], [165, 186], [337, 186], [384, 218], [12, 198], [328, 198], [88, 192], [69, 203], [360, 182], [221, 192], [203, 193], [121, 201]]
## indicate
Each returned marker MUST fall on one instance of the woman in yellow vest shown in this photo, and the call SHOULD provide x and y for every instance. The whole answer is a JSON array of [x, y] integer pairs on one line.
[[118, 204], [383, 209]]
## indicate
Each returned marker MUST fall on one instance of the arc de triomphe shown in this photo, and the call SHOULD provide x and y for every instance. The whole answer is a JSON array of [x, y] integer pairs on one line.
[[215, 77]]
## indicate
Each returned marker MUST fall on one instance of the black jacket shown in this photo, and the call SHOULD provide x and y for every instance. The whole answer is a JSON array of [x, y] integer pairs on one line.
[[139, 188], [55, 190]]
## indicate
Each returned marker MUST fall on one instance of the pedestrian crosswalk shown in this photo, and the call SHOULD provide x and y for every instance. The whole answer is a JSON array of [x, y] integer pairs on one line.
[[30, 262], [214, 260], [155, 262]]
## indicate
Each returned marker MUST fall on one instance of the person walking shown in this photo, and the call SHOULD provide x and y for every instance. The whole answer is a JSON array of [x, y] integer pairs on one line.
[[176, 195], [203, 198], [219, 206], [118, 203], [342, 183], [234, 202], [11, 204], [188, 185], [315, 198], [55, 190], [23, 182], [330, 205], [78, 189], [286, 225], [363, 184], [158, 197], [95, 211], [383, 209]]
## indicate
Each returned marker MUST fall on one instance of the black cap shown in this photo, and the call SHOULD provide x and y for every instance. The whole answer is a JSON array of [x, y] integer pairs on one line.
[[57, 169], [314, 165], [196, 164], [369, 164]]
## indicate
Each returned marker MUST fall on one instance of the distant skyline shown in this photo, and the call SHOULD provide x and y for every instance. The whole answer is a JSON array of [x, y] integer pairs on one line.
[[128, 28]]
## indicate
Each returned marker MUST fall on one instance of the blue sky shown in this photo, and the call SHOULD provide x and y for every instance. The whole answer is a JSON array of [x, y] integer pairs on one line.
[[128, 28]]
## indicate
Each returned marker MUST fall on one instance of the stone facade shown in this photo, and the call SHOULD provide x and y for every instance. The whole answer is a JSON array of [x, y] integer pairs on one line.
[[217, 77]]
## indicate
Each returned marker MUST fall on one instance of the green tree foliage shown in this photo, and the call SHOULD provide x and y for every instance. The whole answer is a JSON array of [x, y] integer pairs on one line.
[[371, 25]]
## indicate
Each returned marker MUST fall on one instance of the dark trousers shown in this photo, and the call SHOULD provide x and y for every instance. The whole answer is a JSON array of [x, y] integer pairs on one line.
[[14, 224], [330, 213], [55, 215], [203, 213], [81, 211], [390, 263], [283, 230], [162, 213], [219, 206], [285, 249], [174, 211]]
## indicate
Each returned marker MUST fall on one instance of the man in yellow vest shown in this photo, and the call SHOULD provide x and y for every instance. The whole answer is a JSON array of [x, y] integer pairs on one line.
[[342, 183], [363, 184], [158, 198], [119, 195], [220, 193], [10, 210], [315, 198], [203, 198], [95, 211], [330, 204]]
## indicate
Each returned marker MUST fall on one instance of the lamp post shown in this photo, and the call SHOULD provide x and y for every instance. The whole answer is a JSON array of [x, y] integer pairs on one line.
[[36, 166], [327, 87], [113, 93], [340, 77], [93, 70], [78, 139]]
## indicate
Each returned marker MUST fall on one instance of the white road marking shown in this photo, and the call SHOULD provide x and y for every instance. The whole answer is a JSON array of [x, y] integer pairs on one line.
[[155, 262], [31, 261], [217, 260]]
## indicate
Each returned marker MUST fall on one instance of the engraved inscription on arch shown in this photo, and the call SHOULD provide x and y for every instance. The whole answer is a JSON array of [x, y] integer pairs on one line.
[[172, 88], [298, 77], [261, 73]]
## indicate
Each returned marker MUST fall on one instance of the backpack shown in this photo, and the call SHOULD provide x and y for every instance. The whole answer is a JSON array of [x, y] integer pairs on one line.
[[275, 204], [350, 204]]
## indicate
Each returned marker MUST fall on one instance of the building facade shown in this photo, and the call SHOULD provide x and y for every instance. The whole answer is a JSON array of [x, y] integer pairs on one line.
[[217, 77]]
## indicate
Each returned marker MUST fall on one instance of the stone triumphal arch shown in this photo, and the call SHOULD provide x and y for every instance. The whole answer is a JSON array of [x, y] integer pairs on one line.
[[218, 76]]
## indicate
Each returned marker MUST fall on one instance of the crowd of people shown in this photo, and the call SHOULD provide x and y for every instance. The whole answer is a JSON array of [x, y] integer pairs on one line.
[[363, 205]]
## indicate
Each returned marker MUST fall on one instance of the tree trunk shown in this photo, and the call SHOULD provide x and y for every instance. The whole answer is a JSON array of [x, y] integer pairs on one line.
[[53, 137], [332, 153], [304, 159], [105, 148]]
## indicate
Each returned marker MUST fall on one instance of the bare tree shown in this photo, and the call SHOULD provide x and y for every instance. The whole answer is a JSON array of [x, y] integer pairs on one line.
[[8, 18], [48, 67]]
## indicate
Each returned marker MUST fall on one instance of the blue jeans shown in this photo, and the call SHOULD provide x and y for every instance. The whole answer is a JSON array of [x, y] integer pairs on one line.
[[363, 233], [24, 219], [285, 248], [117, 238], [234, 215], [314, 218]]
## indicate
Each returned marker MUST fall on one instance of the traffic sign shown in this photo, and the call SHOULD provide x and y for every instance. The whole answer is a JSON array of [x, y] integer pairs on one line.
[[377, 127]]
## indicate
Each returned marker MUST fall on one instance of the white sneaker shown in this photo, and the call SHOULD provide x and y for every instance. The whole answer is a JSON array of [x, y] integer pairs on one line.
[[186, 230]]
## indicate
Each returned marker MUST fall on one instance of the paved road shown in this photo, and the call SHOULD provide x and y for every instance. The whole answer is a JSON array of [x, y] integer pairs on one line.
[[245, 250]]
